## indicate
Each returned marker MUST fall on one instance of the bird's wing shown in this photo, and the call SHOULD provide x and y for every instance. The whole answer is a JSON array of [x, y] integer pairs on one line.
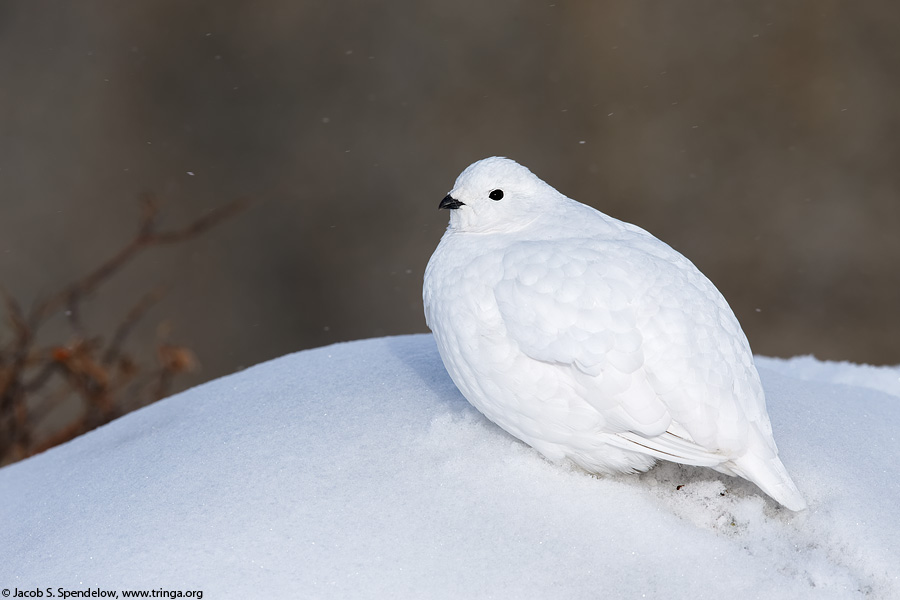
[[638, 328], [566, 302]]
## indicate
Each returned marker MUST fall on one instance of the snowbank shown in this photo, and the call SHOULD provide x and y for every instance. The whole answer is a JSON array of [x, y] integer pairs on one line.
[[358, 471]]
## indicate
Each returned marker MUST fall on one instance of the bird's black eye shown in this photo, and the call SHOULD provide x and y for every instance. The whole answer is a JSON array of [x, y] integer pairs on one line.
[[496, 195]]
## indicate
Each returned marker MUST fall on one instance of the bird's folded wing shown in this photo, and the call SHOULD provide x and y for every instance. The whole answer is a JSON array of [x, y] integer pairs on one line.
[[573, 304], [568, 303], [648, 341]]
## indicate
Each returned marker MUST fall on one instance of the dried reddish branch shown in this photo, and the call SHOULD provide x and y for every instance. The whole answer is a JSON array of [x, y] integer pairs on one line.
[[134, 315], [34, 380], [146, 237]]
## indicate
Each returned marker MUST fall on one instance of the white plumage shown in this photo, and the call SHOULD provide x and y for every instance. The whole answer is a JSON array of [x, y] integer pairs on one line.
[[590, 339]]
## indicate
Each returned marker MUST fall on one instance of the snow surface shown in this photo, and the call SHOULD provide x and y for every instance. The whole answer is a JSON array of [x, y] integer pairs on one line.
[[359, 471], [885, 379]]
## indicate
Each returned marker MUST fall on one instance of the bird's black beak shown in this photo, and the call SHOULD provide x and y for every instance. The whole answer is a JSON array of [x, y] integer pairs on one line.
[[450, 202]]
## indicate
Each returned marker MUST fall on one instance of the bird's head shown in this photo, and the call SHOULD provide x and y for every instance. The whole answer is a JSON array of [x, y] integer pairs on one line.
[[496, 195]]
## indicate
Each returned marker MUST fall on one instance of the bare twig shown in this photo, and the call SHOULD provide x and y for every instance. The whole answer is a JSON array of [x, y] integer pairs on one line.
[[10, 382], [42, 377], [127, 325], [108, 380], [203, 224], [14, 314], [145, 238], [87, 284]]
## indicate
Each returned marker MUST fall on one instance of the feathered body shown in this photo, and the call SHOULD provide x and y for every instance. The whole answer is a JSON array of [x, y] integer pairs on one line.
[[590, 339]]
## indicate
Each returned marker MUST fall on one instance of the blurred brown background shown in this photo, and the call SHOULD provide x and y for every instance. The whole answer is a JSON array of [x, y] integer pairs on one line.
[[761, 139]]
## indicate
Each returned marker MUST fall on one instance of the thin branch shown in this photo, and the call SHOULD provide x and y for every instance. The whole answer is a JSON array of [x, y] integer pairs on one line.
[[106, 380], [87, 284], [10, 386], [128, 323], [42, 377], [204, 223], [145, 238], [14, 314]]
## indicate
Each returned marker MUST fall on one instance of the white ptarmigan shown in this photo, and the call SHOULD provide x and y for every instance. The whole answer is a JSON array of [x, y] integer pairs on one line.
[[591, 340]]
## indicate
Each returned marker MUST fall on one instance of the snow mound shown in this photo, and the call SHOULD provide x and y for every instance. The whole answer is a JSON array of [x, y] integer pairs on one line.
[[884, 379], [359, 471]]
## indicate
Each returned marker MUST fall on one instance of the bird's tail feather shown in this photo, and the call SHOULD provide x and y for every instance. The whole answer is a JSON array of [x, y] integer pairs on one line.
[[770, 475], [760, 464]]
